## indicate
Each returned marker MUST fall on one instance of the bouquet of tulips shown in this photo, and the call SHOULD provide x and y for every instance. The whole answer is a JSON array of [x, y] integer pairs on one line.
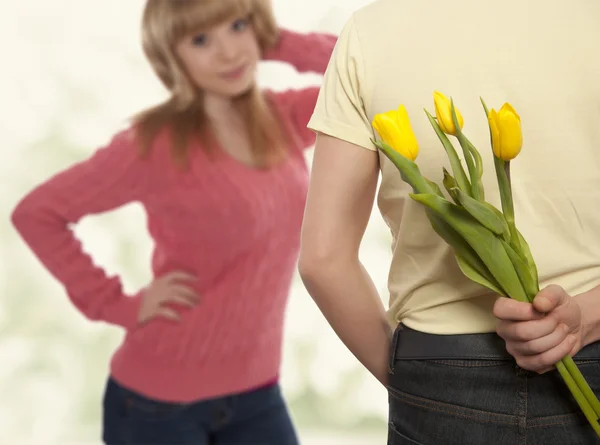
[[487, 245]]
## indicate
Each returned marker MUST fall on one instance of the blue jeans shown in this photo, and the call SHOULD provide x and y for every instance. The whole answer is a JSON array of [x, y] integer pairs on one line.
[[257, 417], [491, 402]]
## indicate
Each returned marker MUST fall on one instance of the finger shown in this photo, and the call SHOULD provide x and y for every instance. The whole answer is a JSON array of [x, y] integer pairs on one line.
[[524, 331], [178, 299], [540, 345], [513, 310], [549, 298], [549, 358], [179, 275], [168, 313], [184, 291]]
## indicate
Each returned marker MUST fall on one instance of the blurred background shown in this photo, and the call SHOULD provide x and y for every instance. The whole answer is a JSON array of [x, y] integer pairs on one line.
[[73, 73]]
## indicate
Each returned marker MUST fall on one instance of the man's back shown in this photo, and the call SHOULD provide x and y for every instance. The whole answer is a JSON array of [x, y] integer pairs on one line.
[[542, 56]]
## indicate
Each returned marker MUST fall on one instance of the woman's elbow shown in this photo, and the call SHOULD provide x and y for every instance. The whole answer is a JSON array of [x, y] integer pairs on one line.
[[27, 215], [20, 214]]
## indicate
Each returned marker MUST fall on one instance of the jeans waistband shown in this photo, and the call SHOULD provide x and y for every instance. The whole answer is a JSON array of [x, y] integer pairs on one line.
[[409, 344]]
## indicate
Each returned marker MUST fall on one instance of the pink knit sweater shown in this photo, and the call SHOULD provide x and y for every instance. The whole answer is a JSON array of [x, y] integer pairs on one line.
[[235, 227]]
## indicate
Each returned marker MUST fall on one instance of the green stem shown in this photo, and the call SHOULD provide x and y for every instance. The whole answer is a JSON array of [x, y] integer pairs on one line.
[[470, 166], [503, 177], [505, 189], [579, 397], [472, 158], [478, 167], [457, 169], [582, 384], [477, 171]]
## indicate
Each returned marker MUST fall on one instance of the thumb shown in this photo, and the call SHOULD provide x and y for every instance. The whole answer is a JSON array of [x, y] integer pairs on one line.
[[550, 298]]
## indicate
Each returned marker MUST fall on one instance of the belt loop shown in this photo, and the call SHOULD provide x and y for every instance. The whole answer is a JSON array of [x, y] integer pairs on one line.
[[393, 348]]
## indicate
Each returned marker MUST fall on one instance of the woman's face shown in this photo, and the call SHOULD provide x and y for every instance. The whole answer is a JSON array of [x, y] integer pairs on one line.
[[222, 60]]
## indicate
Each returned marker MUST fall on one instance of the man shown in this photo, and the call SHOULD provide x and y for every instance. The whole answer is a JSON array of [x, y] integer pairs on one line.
[[448, 388]]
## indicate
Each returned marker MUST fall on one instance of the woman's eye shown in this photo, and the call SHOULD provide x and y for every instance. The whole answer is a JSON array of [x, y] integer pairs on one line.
[[199, 40], [240, 25]]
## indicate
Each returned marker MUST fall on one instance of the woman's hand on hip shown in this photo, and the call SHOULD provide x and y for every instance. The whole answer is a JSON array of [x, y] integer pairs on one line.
[[165, 291], [540, 334]]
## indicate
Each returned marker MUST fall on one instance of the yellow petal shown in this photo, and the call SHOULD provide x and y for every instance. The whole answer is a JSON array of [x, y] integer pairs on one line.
[[412, 147], [507, 136], [508, 108], [394, 129], [495, 132], [402, 118], [512, 137], [459, 118], [443, 113], [385, 125], [409, 144]]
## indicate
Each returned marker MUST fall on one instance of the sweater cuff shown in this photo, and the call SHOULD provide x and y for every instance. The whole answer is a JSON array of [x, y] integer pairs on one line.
[[124, 312]]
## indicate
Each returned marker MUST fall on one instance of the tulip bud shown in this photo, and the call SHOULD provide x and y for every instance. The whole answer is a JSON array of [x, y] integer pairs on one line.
[[443, 113], [394, 128], [507, 138]]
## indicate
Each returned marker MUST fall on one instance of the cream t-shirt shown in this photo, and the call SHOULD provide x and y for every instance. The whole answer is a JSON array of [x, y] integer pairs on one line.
[[542, 56]]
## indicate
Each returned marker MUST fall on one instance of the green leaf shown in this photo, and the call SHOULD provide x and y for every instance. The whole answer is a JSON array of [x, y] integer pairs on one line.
[[487, 246], [409, 171], [485, 108], [500, 215], [522, 268], [451, 186], [449, 181], [435, 187], [528, 257], [468, 261], [481, 213], [474, 275], [455, 164]]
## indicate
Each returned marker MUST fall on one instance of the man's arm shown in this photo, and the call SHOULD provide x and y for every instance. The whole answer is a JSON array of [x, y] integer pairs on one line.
[[340, 199]]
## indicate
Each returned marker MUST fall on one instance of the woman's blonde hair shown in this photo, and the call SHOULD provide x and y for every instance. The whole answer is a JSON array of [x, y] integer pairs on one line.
[[164, 24]]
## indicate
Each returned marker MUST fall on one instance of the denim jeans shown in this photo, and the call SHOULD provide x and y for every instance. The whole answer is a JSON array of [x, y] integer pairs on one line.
[[257, 417], [490, 402]]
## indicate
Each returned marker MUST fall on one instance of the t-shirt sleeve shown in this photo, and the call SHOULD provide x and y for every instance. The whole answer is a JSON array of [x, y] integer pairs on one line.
[[340, 109]]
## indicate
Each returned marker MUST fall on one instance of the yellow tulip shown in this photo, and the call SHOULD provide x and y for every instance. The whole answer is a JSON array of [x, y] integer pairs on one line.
[[443, 113], [394, 128], [507, 137]]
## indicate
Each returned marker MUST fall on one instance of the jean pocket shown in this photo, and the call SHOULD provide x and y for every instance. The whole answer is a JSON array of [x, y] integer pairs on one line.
[[395, 437], [429, 421]]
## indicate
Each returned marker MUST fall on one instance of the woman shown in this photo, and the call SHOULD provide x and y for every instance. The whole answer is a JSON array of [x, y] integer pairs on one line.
[[451, 379], [220, 171]]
